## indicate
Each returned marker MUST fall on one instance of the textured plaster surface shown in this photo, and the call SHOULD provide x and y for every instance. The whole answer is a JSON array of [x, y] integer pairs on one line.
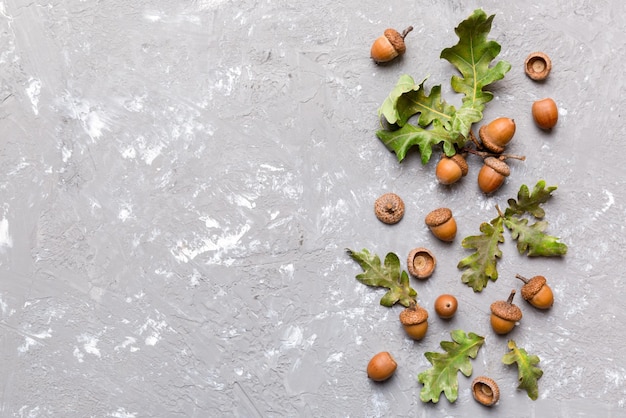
[[180, 179]]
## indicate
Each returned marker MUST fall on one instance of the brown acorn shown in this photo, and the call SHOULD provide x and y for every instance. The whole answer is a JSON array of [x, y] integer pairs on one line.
[[497, 133], [537, 292], [421, 263], [389, 208], [414, 320], [449, 170], [504, 315], [545, 113], [446, 306], [381, 367], [485, 390], [389, 46], [442, 224], [492, 174]]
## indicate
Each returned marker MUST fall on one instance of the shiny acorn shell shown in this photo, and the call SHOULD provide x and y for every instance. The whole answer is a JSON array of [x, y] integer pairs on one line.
[[381, 367], [504, 315], [414, 320], [492, 174], [537, 292], [449, 170], [389, 46], [442, 224], [497, 134]]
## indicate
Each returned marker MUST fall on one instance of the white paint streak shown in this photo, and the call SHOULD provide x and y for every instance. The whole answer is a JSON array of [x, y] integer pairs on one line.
[[185, 251], [228, 80], [194, 280], [135, 104], [125, 212], [28, 343], [292, 337], [334, 358], [209, 222], [122, 413], [33, 90], [610, 201], [66, 153], [331, 214], [271, 167], [5, 237], [128, 342], [93, 124], [379, 404], [615, 377], [153, 16], [3, 306], [287, 270], [78, 354], [91, 119], [242, 201], [209, 4], [90, 344], [153, 328], [147, 152]]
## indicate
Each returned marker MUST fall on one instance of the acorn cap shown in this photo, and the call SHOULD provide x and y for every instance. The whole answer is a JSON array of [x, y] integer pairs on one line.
[[421, 263], [498, 165], [485, 390], [460, 161], [506, 310], [389, 208], [413, 315], [532, 287], [537, 66], [396, 40], [488, 142], [438, 217]]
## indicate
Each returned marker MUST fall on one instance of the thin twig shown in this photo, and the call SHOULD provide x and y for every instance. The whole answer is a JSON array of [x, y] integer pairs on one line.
[[501, 157]]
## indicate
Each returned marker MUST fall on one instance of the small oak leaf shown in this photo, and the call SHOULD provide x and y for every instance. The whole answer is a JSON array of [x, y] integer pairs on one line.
[[480, 267], [528, 372], [442, 376], [530, 202], [389, 275], [532, 240]]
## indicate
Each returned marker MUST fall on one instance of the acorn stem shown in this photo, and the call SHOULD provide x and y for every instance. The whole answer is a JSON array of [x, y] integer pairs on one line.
[[500, 214], [515, 157], [511, 296], [501, 157], [522, 278], [406, 31], [475, 140]]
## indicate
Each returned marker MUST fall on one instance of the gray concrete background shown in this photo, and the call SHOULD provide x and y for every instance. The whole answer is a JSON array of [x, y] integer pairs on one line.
[[180, 180]]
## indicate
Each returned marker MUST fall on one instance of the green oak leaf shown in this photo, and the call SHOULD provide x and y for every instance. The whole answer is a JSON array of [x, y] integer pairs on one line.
[[390, 109], [480, 267], [530, 202], [408, 99], [532, 240], [389, 275], [401, 140], [442, 376], [527, 370], [472, 56]]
